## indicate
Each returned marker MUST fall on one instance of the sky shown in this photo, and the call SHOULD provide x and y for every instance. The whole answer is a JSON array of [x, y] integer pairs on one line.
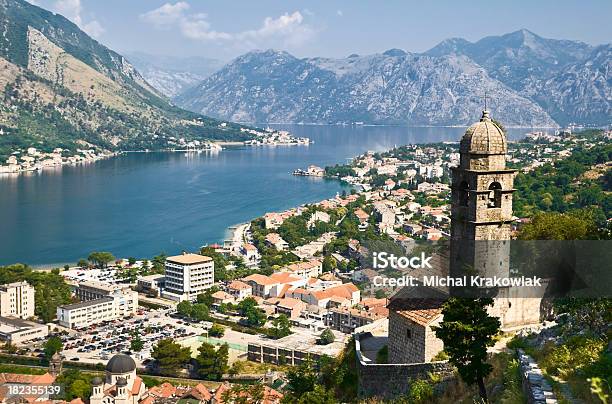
[[224, 29]]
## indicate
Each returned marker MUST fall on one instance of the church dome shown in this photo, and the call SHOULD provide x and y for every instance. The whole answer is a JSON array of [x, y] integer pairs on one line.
[[97, 381], [121, 382], [484, 137], [120, 364]]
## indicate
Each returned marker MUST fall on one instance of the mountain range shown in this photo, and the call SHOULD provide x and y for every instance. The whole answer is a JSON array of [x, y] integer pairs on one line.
[[529, 81], [61, 88]]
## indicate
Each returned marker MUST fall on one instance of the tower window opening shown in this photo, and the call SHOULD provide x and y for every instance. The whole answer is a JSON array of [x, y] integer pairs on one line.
[[494, 195], [464, 193]]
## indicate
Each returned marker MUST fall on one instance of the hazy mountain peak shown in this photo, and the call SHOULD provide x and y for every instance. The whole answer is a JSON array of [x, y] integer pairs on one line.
[[395, 52]]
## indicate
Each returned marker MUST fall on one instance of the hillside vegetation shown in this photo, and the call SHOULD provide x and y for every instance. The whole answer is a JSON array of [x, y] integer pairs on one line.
[[61, 88]]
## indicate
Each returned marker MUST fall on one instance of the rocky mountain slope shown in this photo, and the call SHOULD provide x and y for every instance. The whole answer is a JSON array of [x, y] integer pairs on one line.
[[173, 75], [530, 81], [393, 88], [60, 88], [580, 92], [518, 59]]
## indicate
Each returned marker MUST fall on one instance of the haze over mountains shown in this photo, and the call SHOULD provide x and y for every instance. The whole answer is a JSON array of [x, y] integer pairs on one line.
[[530, 81], [173, 75], [61, 88]]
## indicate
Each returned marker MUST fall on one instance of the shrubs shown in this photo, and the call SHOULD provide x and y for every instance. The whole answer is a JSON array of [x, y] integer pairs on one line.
[[327, 337], [216, 330], [420, 391], [575, 355]]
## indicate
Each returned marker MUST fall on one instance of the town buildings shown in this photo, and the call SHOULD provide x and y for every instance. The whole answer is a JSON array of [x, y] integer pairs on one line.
[[188, 275]]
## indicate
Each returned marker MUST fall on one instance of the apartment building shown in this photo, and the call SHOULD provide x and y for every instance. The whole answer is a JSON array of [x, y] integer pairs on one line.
[[98, 302], [17, 300], [84, 314], [188, 275]]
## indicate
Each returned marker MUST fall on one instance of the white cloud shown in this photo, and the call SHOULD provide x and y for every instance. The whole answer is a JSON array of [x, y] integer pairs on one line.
[[340, 13], [72, 9], [289, 29], [166, 15]]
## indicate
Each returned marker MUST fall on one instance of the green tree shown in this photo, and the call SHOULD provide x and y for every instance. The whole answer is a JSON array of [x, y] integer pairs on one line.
[[101, 259], [467, 330], [206, 296], [136, 344], [380, 294], [83, 263], [217, 331], [253, 315], [170, 356], [281, 325], [212, 364], [327, 337], [329, 263], [76, 383], [560, 226], [301, 379], [318, 396], [185, 308], [199, 312], [80, 388], [131, 261], [52, 345]]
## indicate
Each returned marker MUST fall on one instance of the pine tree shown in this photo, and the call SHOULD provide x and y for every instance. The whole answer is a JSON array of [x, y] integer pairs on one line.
[[467, 330]]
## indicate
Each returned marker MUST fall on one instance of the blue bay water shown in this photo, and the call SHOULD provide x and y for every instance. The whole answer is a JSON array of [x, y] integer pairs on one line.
[[141, 204]]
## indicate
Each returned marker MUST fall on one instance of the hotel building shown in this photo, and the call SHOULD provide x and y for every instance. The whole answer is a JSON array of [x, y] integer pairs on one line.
[[188, 275]]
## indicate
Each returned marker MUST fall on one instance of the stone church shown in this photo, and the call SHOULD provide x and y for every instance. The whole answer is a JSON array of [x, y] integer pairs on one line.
[[481, 224]]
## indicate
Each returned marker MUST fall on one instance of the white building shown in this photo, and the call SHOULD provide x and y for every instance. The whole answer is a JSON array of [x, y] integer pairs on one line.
[[318, 216], [17, 300], [188, 275], [84, 314], [16, 330], [239, 290], [99, 302]]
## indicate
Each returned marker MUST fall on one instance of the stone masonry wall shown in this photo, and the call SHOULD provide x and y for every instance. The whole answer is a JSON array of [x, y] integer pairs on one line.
[[391, 380]]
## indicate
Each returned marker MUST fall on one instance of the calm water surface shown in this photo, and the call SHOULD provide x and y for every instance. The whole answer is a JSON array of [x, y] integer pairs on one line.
[[141, 204]]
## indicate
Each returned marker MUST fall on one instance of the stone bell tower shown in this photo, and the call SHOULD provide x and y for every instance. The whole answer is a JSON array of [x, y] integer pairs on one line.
[[481, 211]]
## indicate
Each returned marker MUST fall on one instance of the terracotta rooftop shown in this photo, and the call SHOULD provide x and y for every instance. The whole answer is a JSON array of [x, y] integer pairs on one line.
[[238, 285], [422, 317], [189, 259], [260, 279]]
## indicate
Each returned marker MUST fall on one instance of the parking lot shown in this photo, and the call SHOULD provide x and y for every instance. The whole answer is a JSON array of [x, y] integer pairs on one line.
[[98, 343]]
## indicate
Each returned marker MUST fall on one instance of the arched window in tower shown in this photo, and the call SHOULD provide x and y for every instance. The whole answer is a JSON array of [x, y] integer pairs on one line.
[[494, 195], [464, 193]]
